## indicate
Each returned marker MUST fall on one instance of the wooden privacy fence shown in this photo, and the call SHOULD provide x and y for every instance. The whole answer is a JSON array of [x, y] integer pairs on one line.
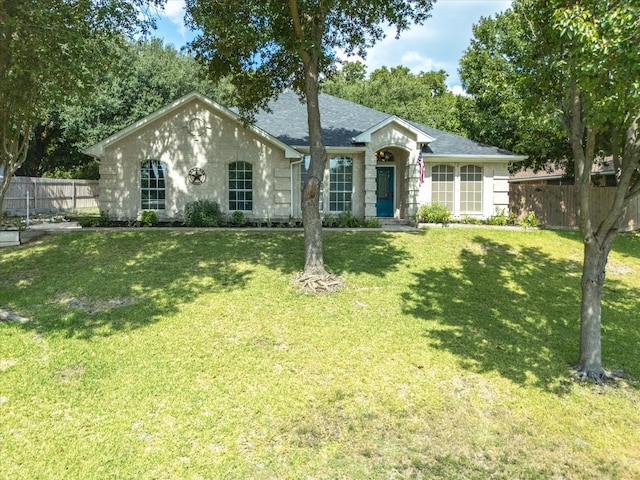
[[47, 195], [556, 205]]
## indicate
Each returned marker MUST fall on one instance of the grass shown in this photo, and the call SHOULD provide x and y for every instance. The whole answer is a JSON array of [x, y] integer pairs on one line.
[[188, 355]]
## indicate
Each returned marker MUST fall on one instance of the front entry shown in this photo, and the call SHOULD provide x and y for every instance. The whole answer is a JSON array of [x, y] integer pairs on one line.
[[384, 191]]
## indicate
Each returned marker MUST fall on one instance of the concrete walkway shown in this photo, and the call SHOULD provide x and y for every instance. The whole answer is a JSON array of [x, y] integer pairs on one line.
[[54, 226]]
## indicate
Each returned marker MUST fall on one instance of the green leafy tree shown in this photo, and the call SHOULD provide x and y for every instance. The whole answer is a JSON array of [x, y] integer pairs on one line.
[[423, 98], [267, 46], [49, 49], [600, 64], [499, 112], [576, 63], [142, 77]]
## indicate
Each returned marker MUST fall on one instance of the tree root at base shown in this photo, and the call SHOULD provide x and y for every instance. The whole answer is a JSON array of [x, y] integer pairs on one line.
[[318, 282], [598, 376]]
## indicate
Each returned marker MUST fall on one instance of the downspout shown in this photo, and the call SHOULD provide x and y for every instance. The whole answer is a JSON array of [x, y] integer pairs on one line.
[[291, 180]]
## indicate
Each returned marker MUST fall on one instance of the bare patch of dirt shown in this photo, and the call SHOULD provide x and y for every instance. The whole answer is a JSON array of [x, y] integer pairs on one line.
[[618, 269], [7, 364], [93, 307], [69, 373], [20, 279]]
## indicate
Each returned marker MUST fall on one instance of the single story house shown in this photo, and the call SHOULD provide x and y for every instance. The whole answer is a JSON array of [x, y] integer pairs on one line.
[[379, 165]]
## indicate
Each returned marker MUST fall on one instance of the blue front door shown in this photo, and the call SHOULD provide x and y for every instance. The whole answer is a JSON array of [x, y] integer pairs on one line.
[[384, 191]]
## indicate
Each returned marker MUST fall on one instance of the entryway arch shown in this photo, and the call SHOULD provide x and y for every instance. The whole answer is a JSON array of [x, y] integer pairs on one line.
[[391, 164]]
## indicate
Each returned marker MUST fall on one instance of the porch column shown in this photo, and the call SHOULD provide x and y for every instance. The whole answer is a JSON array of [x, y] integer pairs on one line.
[[413, 182], [369, 183]]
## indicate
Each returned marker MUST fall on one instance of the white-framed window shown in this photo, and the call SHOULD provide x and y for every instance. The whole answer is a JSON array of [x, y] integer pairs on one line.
[[470, 189], [340, 184], [442, 185], [304, 167], [240, 186], [153, 180]]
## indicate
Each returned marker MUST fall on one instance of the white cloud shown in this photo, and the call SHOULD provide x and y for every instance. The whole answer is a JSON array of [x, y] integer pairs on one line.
[[439, 43], [174, 9], [174, 12], [416, 62], [458, 90]]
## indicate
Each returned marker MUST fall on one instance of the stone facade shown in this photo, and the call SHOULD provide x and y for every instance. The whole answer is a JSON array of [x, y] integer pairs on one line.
[[196, 133]]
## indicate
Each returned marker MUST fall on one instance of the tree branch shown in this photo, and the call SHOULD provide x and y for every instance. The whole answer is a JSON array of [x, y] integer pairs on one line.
[[622, 194], [297, 31], [582, 170]]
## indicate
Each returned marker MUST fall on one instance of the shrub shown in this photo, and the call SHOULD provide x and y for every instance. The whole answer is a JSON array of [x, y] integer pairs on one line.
[[501, 218], [102, 220], [342, 220], [238, 218], [348, 220], [11, 222], [85, 222], [529, 220], [203, 213], [372, 223], [433, 213], [470, 220], [329, 221], [498, 218], [148, 218]]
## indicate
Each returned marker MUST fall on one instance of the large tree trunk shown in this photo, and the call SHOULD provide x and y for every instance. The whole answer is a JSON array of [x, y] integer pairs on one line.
[[312, 222], [597, 241], [595, 254], [597, 245], [593, 275]]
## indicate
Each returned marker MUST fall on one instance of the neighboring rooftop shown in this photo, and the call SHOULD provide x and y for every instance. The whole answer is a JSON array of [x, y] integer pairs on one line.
[[551, 172]]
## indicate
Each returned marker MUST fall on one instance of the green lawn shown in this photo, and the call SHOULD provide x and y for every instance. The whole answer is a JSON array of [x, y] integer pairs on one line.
[[189, 355]]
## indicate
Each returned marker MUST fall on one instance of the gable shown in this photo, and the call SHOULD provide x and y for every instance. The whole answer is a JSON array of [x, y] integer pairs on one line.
[[389, 127], [190, 125]]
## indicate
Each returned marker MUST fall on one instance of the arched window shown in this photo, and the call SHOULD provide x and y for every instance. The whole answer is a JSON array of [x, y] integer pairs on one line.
[[152, 184], [471, 189], [442, 185], [240, 186], [340, 184]]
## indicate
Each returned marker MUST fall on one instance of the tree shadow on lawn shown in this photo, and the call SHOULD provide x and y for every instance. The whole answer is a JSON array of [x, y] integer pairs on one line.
[[626, 243], [95, 284], [517, 313], [369, 252]]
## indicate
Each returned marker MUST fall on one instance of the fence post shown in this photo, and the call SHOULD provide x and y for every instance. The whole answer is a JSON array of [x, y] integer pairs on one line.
[[35, 196], [73, 186]]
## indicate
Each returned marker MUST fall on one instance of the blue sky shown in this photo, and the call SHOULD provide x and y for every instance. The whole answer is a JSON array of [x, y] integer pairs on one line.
[[438, 44]]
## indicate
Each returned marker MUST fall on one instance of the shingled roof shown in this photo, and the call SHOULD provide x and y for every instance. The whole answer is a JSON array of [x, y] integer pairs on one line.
[[342, 121]]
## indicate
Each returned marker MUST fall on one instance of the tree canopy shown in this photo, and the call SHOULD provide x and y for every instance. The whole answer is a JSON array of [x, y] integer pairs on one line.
[[423, 98], [263, 45], [503, 112], [49, 49], [266, 46], [572, 68], [594, 78], [143, 76]]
